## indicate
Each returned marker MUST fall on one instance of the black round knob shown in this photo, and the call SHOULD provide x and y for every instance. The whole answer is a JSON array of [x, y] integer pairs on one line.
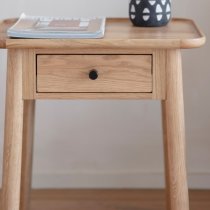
[[93, 75]]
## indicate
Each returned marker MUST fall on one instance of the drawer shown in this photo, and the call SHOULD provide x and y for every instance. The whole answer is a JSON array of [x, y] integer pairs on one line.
[[94, 73]]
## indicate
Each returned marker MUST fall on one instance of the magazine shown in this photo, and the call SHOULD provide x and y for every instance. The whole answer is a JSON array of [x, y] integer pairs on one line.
[[51, 27]]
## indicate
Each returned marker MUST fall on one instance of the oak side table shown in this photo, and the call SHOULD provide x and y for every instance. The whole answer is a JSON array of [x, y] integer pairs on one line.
[[128, 63]]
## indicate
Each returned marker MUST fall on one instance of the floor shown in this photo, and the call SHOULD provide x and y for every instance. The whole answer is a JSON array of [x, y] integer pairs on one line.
[[111, 200]]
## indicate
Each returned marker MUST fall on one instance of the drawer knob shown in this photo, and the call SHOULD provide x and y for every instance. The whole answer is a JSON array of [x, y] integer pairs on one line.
[[93, 74]]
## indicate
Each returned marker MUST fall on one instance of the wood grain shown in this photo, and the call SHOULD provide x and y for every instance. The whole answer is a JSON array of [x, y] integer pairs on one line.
[[13, 133], [110, 199], [17, 142], [120, 34], [155, 75], [4, 25], [27, 153], [174, 135], [159, 74], [116, 73], [94, 96], [29, 74], [29, 69]]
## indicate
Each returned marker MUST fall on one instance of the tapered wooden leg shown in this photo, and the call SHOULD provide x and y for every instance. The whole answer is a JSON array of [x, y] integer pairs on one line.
[[174, 135], [18, 138], [27, 153]]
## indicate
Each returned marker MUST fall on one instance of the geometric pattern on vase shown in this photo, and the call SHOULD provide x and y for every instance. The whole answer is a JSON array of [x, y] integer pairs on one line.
[[150, 13]]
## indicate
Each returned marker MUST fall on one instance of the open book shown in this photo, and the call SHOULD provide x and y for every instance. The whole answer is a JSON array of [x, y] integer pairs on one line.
[[51, 27]]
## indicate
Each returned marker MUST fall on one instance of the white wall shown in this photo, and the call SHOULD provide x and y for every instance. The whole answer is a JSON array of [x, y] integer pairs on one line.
[[115, 143]]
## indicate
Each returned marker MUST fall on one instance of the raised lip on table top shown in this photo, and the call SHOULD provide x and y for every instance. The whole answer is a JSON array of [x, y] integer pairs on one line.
[[6, 42]]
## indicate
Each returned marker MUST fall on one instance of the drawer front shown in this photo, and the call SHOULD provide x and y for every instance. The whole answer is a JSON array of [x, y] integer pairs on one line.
[[94, 73]]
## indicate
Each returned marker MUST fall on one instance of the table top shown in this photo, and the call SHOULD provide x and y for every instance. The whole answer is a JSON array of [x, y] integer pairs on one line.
[[120, 33]]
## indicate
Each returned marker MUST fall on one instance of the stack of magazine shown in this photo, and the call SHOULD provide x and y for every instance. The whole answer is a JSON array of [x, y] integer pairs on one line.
[[51, 27]]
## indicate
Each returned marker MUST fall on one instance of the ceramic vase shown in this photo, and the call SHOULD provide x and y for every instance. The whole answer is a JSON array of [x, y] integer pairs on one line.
[[150, 13]]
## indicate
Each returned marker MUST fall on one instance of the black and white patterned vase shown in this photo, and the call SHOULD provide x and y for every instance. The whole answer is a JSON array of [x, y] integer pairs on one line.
[[150, 13]]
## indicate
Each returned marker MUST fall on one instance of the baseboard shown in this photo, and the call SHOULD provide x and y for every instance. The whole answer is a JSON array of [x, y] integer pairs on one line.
[[114, 180], [144, 180]]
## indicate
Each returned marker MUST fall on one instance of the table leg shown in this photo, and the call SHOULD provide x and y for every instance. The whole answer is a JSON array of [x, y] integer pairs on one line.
[[18, 139], [27, 153], [174, 135]]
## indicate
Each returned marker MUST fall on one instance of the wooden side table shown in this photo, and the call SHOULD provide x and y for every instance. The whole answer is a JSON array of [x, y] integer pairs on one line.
[[129, 63]]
